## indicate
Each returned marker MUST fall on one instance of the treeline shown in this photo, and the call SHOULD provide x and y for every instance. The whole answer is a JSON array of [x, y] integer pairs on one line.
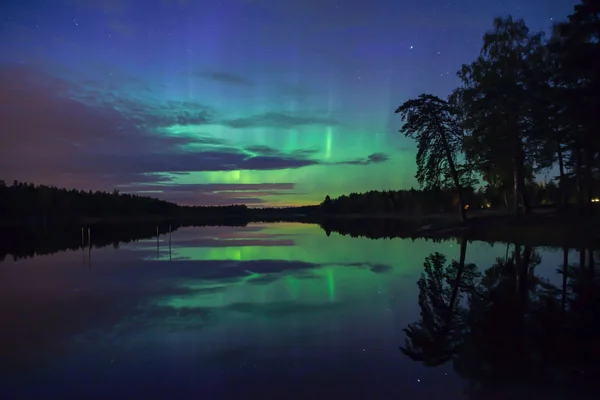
[[41, 203], [435, 200], [392, 201], [525, 105], [38, 204]]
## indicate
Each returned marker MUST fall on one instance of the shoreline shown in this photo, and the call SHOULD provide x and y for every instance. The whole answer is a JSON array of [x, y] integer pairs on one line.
[[249, 217], [545, 227]]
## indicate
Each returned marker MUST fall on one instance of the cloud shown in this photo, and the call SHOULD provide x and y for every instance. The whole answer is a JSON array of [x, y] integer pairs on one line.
[[380, 268], [145, 113], [214, 194], [96, 137], [58, 132], [277, 120], [226, 77], [262, 150], [375, 158], [220, 187], [209, 140], [106, 163]]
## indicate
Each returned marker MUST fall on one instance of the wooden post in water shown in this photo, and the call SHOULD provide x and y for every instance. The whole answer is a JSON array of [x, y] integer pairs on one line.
[[89, 247], [169, 242], [82, 246], [157, 248]]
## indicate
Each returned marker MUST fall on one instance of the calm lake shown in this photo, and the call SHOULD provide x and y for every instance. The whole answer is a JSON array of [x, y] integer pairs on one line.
[[285, 311]]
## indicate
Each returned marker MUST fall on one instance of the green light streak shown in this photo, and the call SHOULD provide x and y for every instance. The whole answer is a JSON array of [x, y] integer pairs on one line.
[[329, 140], [312, 183]]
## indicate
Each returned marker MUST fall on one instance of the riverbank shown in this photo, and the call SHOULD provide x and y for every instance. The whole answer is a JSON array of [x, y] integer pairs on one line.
[[541, 228], [544, 227]]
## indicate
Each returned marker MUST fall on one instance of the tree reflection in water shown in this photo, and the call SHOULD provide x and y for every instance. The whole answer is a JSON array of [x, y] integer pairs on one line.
[[505, 327]]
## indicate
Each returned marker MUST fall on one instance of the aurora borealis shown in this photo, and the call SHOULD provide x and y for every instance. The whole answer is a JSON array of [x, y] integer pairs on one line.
[[261, 102]]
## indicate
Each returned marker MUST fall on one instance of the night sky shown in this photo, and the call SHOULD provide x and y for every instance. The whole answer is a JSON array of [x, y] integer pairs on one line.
[[262, 102]]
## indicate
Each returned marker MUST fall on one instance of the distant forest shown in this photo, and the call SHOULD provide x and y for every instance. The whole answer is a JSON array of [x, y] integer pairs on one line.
[[433, 201], [41, 203], [38, 203]]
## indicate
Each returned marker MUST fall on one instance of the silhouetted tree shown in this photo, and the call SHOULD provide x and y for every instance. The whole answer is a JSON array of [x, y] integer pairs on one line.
[[326, 205], [432, 122], [576, 60], [431, 201], [496, 99]]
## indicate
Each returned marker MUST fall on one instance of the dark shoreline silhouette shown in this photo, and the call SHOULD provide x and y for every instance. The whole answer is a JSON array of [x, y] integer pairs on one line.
[[27, 209], [564, 230], [24, 203]]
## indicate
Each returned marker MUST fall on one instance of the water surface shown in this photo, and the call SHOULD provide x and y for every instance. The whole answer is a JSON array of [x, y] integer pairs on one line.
[[271, 310]]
